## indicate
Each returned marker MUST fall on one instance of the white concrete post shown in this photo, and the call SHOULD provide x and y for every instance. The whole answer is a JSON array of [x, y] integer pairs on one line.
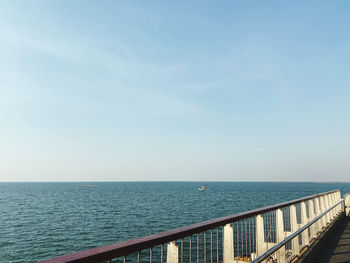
[[312, 217], [304, 221], [338, 198], [322, 208], [337, 210], [294, 228], [317, 213], [228, 244], [347, 204], [327, 206], [280, 235], [172, 255], [260, 236], [332, 203], [336, 201]]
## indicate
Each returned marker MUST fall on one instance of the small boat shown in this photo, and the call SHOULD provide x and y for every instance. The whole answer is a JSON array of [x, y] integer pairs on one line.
[[202, 188]]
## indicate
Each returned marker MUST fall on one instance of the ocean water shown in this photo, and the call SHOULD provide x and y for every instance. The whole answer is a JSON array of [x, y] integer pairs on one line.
[[43, 220]]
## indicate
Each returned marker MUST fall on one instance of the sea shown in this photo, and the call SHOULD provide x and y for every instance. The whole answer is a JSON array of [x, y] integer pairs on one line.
[[44, 220]]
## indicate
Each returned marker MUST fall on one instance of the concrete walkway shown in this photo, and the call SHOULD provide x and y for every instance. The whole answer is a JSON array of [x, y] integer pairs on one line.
[[336, 248]]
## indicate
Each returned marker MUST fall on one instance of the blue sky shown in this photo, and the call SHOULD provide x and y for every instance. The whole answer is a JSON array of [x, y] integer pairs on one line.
[[174, 90]]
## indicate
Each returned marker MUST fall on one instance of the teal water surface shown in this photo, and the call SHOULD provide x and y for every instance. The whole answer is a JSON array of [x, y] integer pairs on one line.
[[44, 220]]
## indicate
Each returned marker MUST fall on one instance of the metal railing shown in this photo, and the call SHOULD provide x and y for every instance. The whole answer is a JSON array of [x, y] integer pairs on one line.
[[277, 233], [272, 255]]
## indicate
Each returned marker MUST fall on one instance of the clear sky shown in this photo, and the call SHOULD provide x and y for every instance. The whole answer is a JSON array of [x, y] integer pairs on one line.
[[174, 90]]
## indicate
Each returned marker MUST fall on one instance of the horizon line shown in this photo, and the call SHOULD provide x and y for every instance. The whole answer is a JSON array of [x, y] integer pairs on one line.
[[188, 181]]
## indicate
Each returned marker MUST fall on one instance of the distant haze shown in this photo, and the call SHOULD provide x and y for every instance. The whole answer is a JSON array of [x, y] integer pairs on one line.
[[174, 90]]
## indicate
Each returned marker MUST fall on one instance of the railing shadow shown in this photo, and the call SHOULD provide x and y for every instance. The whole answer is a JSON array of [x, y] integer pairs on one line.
[[334, 249]]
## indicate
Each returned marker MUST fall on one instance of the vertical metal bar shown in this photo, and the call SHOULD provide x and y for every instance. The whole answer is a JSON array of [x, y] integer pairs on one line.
[[223, 241], [138, 256], [254, 234], [190, 249], [182, 250], [267, 226], [246, 238], [150, 255], [233, 238], [217, 245], [197, 247], [211, 246], [161, 253], [250, 236], [237, 237], [271, 229], [242, 237], [124, 258], [205, 247]]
